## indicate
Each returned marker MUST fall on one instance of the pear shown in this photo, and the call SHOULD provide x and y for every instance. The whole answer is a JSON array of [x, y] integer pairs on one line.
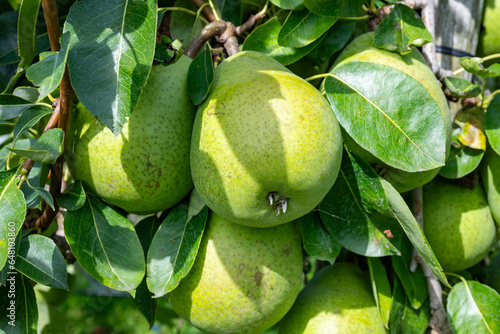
[[144, 169], [266, 146], [490, 174], [339, 300], [244, 279], [489, 39], [414, 65], [457, 223]]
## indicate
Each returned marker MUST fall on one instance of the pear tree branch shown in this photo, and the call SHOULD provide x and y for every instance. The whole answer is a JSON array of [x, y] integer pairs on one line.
[[206, 11], [439, 320]]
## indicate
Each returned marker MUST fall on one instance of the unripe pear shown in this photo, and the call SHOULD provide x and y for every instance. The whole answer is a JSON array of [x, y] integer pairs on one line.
[[337, 300], [144, 169], [457, 223], [414, 65], [266, 145], [490, 174], [244, 279], [489, 38]]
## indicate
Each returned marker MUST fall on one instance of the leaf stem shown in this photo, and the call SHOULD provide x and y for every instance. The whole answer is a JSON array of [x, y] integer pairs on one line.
[[207, 12], [214, 10], [189, 11], [487, 102], [482, 93], [319, 76]]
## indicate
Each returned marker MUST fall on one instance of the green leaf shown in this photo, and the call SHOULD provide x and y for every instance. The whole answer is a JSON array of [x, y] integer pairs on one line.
[[355, 211], [184, 26], [401, 30], [374, 115], [28, 93], [25, 143], [40, 259], [318, 243], [334, 7], [413, 230], [146, 229], [110, 55], [8, 38], [173, 249], [475, 66], [462, 87], [24, 318], [200, 76], [12, 106], [335, 40], [29, 118], [230, 10], [48, 73], [414, 283], [74, 196], [404, 318], [381, 288], [106, 245], [45, 194], [462, 159], [9, 265], [13, 209], [38, 178], [492, 123], [288, 4], [264, 39], [26, 31], [302, 27], [46, 149], [474, 308]]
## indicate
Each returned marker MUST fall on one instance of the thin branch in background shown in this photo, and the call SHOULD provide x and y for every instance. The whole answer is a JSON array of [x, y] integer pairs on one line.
[[212, 29], [439, 319], [207, 12]]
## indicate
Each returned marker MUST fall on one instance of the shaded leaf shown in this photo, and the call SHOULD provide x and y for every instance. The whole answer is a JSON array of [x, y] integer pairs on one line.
[[355, 211], [401, 30], [374, 115], [412, 229], [45, 194], [414, 283], [46, 149], [24, 319], [48, 73], [37, 177], [74, 196], [288, 4], [110, 55], [183, 26], [230, 10], [12, 106], [40, 259], [26, 31], [475, 66], [462, 159], [173, 249], [474, 308], [404, 318], [381, 288], [302, 27], [8, 38], [200, 76], [318, 243], [264, 39], [462, 87], [29, 118], [146, 229], [334, 7], [27, 93], [13, 209], [335, 40], [15, 160], [492, 123], [106, 245]]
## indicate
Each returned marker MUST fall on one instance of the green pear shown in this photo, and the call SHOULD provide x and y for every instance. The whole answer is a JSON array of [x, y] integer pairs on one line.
[[244, 279], [266, 146], [144, 169], [414, 65], [338, 299], [457, 223], [490, 174], [489, 38]]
